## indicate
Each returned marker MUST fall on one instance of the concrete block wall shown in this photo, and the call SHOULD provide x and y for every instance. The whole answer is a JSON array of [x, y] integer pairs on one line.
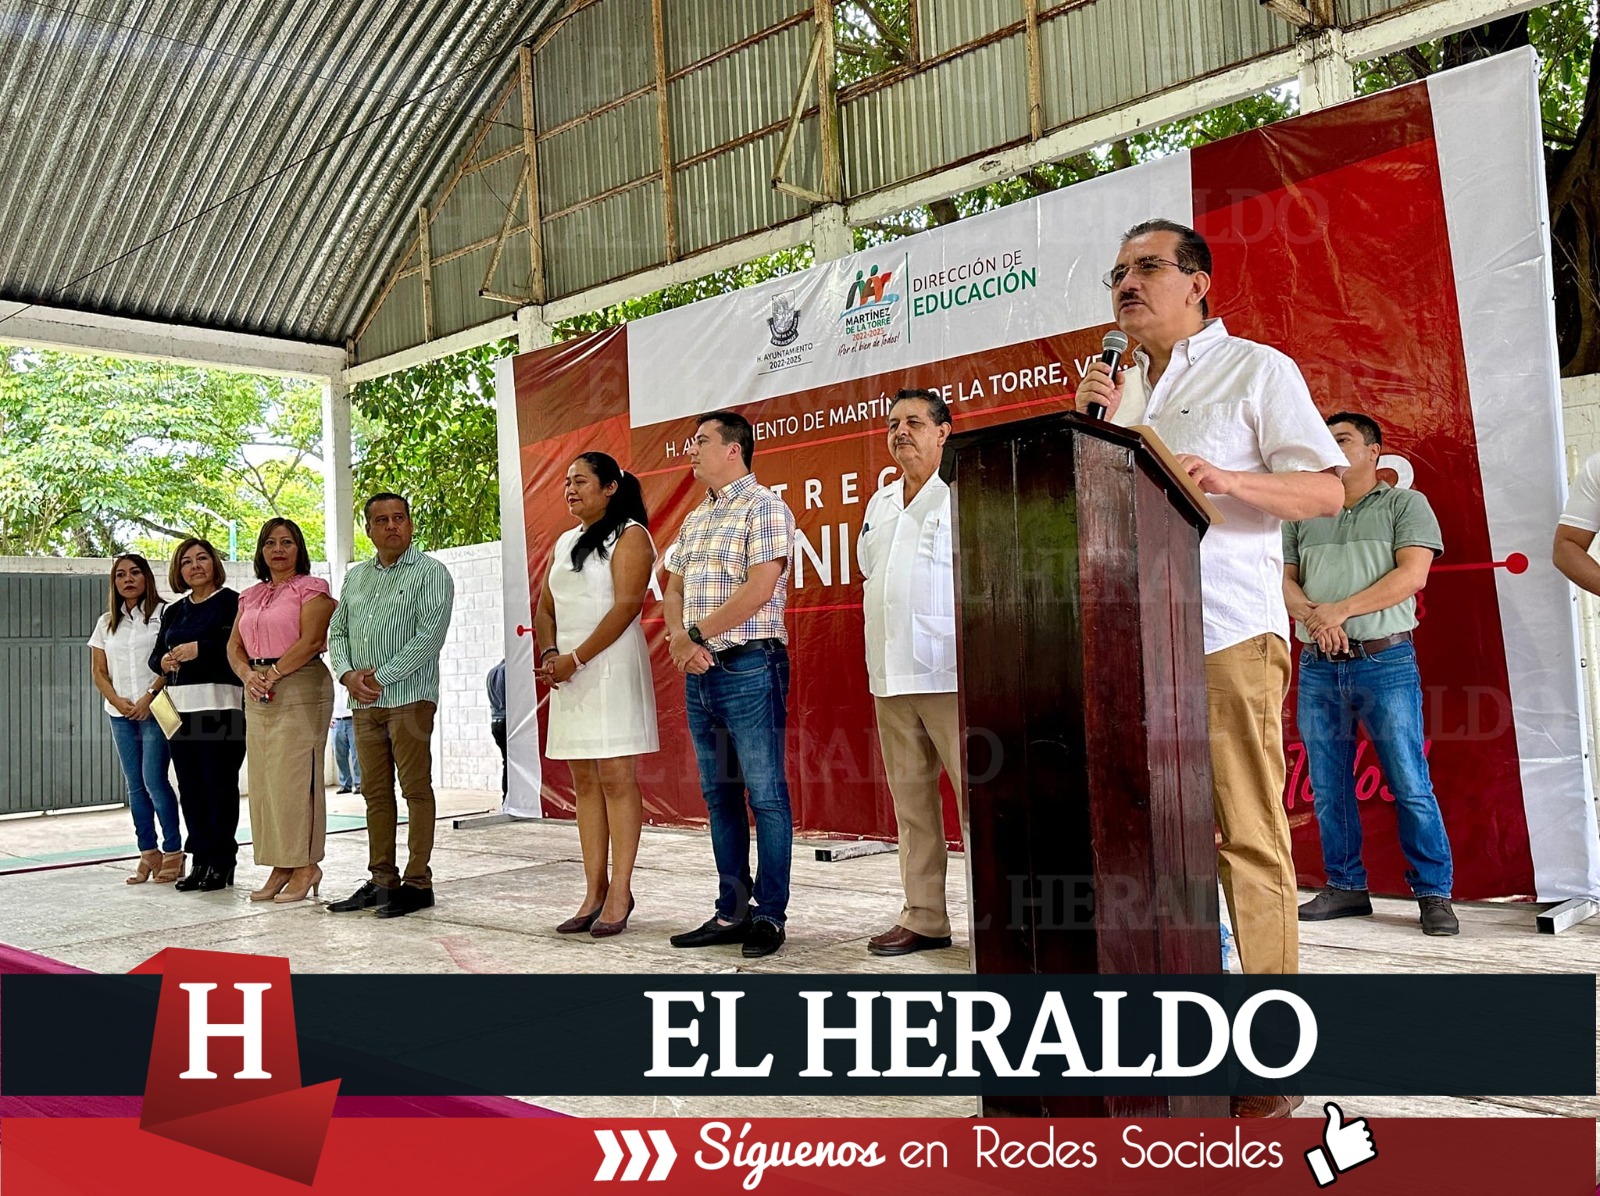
[[464, 752]]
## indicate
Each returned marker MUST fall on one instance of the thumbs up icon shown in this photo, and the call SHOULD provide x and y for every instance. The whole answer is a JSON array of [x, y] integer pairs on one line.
[[1345, 1144]]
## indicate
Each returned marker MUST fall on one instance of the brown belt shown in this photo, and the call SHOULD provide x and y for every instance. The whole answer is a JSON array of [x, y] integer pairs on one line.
[[1361, 649]]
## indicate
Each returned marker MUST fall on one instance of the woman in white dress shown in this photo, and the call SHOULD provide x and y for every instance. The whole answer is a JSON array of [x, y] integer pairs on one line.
[[592, 653]]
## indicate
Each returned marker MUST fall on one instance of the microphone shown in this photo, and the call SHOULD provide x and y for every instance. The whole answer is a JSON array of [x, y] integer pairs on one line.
[[1112, 346]]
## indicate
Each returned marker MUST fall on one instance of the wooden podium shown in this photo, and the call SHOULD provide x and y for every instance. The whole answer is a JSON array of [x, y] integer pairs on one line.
[[1081, 656]]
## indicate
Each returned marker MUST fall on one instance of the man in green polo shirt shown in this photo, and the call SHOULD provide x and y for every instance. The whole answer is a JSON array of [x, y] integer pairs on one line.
[[384, 643], [1350, 583]]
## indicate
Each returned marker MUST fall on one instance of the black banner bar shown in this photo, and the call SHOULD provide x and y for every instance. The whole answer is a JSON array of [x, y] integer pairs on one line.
[[677, 1034]]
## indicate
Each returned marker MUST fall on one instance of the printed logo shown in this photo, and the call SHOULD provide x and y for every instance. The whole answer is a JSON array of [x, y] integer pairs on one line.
[[783, 330], [784, 322], [225, 1063], [869, 312]]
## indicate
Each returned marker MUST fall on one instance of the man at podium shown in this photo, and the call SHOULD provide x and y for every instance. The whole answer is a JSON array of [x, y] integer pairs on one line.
[[1242, 422]]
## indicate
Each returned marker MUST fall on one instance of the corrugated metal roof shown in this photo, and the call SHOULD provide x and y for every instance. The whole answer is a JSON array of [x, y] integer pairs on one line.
[[1357, 12], [1103, 55], [250, 165], [962, 107]]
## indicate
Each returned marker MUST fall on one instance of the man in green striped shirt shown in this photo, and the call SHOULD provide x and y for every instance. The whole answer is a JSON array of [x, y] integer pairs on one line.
[[384, 643]]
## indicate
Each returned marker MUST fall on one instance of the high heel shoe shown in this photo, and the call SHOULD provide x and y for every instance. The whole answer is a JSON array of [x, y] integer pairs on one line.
[[149, 862], [312, 885], [171, 868], [275, 884], [581, 922], [215, 880], [604, 930]]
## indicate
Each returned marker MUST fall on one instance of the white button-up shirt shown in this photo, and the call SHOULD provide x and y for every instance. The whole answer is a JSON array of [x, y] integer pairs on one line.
[[128, 652], [1583, 500], [909, 596], [1242, 406]]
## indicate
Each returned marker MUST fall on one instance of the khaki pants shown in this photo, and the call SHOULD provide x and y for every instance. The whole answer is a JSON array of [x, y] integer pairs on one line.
[[1245, 689], [918, 733], [387, 741]]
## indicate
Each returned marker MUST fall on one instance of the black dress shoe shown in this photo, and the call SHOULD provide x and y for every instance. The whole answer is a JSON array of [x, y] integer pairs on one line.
[[407, 899], [367, 896], [765, 938], [713, 933], [192, 882], [216, 879]]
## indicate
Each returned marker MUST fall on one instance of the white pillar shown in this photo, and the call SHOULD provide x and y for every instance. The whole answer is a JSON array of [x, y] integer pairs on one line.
[[532, 332], [1327, 77], [338, 484], [831, 238]]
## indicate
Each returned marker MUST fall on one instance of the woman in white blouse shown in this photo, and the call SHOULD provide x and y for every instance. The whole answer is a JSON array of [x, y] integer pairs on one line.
[[119, 651]]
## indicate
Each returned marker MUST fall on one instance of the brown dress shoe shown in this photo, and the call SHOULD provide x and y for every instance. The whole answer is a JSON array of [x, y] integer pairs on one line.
[[1264, 1106], [897, 940]]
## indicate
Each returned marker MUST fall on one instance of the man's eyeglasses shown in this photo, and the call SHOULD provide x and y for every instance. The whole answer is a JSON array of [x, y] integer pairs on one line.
[[1145, 267]]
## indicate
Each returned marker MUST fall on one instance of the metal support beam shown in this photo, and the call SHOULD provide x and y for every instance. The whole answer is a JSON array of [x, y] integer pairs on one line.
[[1566, 915], [1426, 22], [485, 291], [786, 146], [1030, 12], [338, 487], [669, 203], [456, 342], [832, 184], [1326, 75], [530, 152], [1293, 11], [41, 327], [152, 341], [426, 242]]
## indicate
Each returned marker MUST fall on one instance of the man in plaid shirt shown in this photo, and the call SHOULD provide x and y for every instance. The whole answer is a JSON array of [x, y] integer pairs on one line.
[[726, 586]]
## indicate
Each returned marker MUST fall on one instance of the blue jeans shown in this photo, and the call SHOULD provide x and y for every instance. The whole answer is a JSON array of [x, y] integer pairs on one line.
[[344, 754], [142, 749], [737, 716], [1384, 694]]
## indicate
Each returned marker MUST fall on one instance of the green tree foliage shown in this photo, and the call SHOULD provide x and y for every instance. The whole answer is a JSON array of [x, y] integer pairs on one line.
[[429, 433], [105, 456], [773, 265]]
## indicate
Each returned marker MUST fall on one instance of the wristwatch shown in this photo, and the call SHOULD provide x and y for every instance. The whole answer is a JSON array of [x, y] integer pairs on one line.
[[693, 631]]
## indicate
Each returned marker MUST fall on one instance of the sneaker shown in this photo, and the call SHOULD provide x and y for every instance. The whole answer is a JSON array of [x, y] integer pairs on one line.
[[765, 938], [1437, 916], [368, 896], [342, 789], [1336, 903]]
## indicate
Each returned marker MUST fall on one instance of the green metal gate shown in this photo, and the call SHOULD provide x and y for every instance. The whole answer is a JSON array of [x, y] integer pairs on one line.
[[56, 751]]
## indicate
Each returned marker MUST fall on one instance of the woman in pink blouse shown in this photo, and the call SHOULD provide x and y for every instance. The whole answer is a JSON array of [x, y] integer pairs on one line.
[[276, 649]]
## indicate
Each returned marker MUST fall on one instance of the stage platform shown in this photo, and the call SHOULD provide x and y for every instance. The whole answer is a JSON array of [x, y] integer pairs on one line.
[[502, 889]]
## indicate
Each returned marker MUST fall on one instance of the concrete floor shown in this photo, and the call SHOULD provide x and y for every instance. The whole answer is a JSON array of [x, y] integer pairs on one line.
[[502, 889]]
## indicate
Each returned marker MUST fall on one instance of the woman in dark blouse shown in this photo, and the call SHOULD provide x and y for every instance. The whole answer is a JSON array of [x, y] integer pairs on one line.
[[208, 750]]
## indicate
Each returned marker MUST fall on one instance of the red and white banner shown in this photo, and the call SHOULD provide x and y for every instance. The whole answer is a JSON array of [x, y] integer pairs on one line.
[[1396, 247]]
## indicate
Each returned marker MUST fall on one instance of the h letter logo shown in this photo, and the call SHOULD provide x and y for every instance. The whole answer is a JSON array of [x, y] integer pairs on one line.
[[201, 1031]]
